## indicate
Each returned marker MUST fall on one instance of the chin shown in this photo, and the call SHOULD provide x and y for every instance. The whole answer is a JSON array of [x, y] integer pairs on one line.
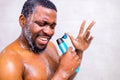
[[38, 48]]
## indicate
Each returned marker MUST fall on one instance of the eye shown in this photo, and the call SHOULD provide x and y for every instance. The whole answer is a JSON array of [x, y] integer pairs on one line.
[[53, 25], [41, 24]]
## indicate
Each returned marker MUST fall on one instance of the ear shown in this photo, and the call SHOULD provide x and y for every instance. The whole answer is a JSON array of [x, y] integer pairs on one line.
[[22, 20]]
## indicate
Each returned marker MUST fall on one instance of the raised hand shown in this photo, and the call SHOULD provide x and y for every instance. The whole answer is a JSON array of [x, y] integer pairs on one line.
[[72, 59], [83, 39]]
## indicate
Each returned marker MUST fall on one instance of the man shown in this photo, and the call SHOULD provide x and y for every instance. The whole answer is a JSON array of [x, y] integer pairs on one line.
[[32, 56]]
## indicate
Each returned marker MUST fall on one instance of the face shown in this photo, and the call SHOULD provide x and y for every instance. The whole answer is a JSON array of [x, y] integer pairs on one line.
[[39, 28]]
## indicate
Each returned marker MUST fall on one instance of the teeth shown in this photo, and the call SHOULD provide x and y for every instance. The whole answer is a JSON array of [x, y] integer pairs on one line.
[[44, 39]]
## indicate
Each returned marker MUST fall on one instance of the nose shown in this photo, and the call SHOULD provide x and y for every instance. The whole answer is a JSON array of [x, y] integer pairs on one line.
[[48, 30]]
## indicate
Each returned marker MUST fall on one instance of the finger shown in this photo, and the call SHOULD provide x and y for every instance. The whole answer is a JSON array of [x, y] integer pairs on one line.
[[87, 34], [71, 52], [71, 38], [82, 28], [90, 26], [77, 57], [70, 49], [74, 54], [90, 39]]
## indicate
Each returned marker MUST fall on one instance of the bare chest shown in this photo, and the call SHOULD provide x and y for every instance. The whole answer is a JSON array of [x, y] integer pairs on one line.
[[39, 68]]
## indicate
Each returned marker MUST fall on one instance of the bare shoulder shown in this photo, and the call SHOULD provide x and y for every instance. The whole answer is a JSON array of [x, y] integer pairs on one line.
[[11, 66], [52, 46]]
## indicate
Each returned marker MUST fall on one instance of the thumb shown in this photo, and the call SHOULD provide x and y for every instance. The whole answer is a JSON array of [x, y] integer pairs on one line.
[[71, 37], [70, 49]]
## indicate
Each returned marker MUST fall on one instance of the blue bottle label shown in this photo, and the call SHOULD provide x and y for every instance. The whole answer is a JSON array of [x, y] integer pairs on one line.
[[63, 47]]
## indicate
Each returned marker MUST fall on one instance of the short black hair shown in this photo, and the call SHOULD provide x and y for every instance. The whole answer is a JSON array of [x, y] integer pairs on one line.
[[30, 5]]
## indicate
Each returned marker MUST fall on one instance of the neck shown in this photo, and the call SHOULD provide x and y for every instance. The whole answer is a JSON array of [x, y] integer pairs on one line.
[[23, 42]]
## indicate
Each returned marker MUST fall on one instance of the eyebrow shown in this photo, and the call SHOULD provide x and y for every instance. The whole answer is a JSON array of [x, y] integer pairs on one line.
[[44, 20]]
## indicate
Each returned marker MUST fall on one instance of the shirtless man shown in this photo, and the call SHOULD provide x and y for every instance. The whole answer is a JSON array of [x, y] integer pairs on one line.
[[32, 56]]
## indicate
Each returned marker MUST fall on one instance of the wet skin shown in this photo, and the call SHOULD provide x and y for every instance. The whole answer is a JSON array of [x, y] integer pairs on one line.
[[21, 61], [26, 65], [19, 57]]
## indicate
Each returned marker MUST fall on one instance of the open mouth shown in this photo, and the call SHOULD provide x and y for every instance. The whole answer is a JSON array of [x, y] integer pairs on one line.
[[43, 40]]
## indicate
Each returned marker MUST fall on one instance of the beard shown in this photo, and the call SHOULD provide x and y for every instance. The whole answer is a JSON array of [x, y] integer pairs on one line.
[[33, 47]]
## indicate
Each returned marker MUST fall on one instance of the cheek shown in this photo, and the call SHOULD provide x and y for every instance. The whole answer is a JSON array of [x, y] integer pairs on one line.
[[27, 34], [52, 32], [34, 28], [30, 32]]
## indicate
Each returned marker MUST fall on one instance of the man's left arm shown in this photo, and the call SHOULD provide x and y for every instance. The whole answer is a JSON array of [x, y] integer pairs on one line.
[[82, 42]]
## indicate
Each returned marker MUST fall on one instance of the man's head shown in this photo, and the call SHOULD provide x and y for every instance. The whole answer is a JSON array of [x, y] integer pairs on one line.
[[30, 5], [38, 20]]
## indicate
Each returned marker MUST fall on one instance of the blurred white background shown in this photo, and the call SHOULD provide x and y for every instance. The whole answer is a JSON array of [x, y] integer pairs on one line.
[[101, 60]]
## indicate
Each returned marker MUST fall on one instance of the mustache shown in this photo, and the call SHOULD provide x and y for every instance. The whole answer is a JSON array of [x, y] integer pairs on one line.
[[43, 34]]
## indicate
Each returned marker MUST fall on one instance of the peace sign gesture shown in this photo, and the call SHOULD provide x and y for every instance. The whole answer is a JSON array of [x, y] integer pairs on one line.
[[83, 39]]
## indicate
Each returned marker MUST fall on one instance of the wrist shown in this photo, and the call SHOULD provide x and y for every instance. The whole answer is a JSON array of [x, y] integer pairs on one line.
[[79, 52]]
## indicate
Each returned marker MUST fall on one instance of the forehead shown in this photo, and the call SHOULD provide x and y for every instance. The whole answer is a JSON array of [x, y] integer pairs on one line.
[[42, 12]]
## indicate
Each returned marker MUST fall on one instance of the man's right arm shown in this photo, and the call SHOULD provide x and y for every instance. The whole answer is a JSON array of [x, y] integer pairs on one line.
[[10, 68], [67, 65]]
